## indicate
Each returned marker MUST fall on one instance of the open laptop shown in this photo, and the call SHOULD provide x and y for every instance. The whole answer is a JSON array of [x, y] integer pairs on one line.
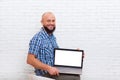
[[68, 61]]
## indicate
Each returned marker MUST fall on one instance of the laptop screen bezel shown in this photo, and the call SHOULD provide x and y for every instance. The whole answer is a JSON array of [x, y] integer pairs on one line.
[[69, 50]]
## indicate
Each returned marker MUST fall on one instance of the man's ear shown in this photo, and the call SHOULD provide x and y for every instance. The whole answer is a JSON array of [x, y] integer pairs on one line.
[[41, 22]]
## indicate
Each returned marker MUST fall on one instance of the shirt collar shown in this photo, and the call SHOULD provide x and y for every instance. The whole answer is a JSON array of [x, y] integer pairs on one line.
[[45, 33]]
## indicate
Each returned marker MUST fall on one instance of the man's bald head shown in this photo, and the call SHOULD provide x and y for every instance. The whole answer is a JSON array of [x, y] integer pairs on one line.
[[47, 14], [48, 21]]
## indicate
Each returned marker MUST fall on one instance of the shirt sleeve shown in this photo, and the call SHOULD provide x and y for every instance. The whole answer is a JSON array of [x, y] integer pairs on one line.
[[34, 46]]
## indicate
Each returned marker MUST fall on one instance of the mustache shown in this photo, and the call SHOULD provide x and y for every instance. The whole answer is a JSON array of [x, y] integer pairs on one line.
[[51, 25], [49, 31]]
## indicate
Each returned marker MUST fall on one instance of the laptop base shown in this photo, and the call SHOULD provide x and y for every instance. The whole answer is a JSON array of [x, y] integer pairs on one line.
[[69, 70]]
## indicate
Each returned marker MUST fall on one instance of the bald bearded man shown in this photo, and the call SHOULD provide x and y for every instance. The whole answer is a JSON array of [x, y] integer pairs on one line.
[[41, 50]]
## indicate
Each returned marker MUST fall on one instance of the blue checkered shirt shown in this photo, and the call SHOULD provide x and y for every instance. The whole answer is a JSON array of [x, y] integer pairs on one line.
[[42, 46]]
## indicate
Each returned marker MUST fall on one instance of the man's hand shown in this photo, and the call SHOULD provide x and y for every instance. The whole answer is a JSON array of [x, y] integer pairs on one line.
[[83, 53], [53, 71]]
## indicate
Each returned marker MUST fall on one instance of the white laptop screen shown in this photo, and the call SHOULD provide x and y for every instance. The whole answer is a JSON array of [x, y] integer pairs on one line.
[[68, 57]]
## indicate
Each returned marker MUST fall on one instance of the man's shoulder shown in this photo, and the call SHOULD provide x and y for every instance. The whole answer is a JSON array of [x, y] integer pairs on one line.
[[37, 35]]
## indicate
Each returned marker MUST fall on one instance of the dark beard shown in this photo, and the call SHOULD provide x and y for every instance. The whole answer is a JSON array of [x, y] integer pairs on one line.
[[49, 31]]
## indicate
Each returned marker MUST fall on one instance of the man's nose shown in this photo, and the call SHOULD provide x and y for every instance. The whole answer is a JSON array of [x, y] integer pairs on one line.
[[51, 22]]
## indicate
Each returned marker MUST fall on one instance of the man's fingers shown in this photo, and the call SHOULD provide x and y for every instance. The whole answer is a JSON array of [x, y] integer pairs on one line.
[[57, 73], [53, 71]]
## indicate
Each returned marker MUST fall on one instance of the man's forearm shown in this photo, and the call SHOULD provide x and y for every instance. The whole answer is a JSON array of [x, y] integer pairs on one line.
[[36, 63]]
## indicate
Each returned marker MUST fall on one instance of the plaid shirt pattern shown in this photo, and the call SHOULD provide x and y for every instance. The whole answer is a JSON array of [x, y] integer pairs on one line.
[[42, 46]]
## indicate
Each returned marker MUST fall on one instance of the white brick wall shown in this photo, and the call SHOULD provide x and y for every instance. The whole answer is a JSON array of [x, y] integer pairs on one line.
[[92, 25]]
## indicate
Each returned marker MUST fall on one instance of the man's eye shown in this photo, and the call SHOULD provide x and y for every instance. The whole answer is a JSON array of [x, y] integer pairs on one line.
[[53, 20]]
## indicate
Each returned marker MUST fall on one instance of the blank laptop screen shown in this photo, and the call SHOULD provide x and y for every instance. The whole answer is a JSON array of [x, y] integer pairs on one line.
[[66, 57]]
